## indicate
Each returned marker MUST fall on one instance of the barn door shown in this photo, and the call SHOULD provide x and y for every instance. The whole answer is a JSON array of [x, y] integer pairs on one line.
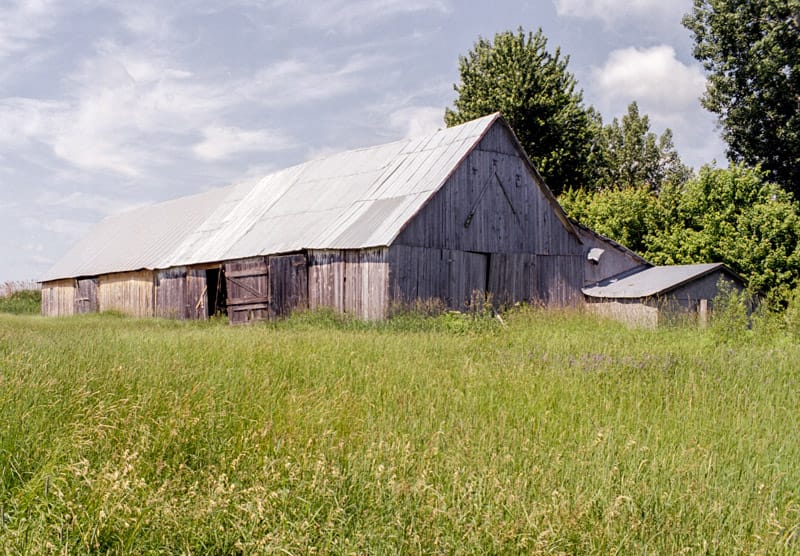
[[86, 296], [248, 290], [288, 283]]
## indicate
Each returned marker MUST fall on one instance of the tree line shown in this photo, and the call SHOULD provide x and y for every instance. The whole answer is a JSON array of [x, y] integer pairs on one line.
[[628, 183]]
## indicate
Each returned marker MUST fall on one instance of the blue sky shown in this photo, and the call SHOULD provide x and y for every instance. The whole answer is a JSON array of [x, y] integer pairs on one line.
[[106, 105]]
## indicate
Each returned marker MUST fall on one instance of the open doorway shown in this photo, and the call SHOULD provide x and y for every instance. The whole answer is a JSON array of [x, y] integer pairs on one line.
[[217, 292]]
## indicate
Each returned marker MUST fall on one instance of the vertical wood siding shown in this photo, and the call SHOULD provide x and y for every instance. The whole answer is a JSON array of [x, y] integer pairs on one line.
[[132, 293], [354, 282], [171, 293], [426, 273], [181, 293], [613, 261], [491, 204], [366, 283], [489, 228], [58, 298], [288, 283], [326, 280]]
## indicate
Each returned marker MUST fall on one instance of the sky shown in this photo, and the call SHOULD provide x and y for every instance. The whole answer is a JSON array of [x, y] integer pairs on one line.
[[107, 105]]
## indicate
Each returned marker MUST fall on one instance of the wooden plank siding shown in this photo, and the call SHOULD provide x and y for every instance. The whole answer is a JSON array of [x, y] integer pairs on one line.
[[86, 296], [489, 228], [491, 204], [132, 293], [288, 283], [326, 280], [181, 293], [58, 298], [429, 273], [248, 290], [366, 283]]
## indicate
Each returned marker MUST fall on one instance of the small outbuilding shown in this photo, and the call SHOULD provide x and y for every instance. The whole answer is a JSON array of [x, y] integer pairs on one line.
[[649, 296]]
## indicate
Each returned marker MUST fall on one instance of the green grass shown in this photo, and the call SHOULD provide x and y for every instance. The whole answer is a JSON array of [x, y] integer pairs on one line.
[[23, 302], [556, 433]]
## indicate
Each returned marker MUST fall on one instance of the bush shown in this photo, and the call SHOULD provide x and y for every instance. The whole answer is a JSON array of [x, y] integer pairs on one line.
[[23, 302]]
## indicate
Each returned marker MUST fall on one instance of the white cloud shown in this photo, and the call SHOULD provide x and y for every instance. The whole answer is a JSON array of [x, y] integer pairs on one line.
[[222, 142], [413, 121], [667, 90], [22, 22], [613, 10], [353, 15], [650, 75]]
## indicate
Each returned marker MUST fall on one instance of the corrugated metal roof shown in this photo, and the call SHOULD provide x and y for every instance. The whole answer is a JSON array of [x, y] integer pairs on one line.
[[651, 281], [350, 200]]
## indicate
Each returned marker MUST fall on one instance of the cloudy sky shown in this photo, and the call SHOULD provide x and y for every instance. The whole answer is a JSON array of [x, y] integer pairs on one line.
[[107, 105]]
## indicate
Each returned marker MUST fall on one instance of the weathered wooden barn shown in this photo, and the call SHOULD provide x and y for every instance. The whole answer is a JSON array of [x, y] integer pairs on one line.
[[458, 211], [651, 296]]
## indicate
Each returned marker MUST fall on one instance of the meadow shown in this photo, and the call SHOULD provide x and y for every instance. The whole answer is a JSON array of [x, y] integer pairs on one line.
[[549, 433]]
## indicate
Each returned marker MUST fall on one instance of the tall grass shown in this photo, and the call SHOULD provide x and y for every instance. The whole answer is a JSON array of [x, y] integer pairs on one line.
[[549, 433]]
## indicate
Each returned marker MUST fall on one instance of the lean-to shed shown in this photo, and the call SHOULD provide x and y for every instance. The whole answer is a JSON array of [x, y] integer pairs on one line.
[[441, 216], [647, 297]]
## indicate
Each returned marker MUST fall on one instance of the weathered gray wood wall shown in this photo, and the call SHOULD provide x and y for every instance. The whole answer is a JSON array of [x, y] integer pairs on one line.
[[266, 287], [354, 282], [248, 290], [181, 293], [489, 228], [614, 260], [86, 296]]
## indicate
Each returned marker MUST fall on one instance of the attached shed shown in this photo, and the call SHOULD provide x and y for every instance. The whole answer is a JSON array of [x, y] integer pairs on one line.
[[656, 294], [443, 216]]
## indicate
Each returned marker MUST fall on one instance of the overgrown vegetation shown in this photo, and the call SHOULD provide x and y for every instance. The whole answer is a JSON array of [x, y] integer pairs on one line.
[[21, 302], [732, 215], [550, 432]]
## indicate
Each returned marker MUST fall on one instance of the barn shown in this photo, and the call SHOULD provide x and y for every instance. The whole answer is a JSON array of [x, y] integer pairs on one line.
[[651, 296], [442, 216]]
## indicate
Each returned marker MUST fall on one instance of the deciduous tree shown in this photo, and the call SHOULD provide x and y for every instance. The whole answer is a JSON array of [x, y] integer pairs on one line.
[[516, 75], [751, 51]]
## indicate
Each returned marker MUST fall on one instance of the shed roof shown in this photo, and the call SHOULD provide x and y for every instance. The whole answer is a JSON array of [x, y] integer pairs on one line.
[[652, 281], [349, 200]]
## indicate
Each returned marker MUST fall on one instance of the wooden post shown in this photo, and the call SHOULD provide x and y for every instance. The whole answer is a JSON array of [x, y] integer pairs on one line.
[[702, 313]]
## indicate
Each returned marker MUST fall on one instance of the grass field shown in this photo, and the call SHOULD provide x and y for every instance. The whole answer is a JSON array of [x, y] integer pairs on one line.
[[556, 433]]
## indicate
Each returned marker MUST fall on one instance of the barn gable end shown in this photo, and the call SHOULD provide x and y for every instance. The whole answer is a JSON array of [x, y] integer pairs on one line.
[[493, 226]]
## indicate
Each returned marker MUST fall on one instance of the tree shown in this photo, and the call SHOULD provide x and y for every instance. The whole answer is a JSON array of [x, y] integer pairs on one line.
[[517, 76], [632, 155], [751, 50]]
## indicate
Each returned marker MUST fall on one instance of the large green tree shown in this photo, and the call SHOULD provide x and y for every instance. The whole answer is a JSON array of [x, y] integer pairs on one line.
[[632, 155], [515, 74], [751, 50]]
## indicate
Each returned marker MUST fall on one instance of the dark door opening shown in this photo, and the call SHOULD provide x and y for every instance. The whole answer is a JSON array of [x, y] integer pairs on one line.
[[217, 292]]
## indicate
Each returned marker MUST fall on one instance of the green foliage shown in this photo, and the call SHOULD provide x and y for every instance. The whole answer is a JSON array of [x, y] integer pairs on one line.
[[737, 217], [556, 433], [752, 53], [633, 156], [516, 75], [23, 302], [627, 214], [732, 215], [730, 314]]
